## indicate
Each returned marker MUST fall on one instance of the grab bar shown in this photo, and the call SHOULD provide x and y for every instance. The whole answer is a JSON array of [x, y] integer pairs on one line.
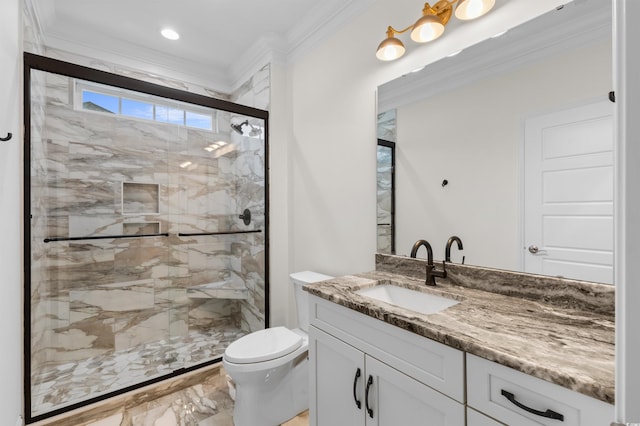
[[198, 234], [103, 237]]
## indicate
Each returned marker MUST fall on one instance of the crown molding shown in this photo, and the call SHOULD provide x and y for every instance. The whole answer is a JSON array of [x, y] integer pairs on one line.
[[319, 23], [142, 58], [44, 13], [324, 19], [269, 48], [543, 37]]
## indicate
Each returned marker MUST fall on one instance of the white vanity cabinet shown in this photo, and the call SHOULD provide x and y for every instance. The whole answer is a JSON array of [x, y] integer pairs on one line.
[[367, 372], [364, 371], [515, 398], [475, 418]]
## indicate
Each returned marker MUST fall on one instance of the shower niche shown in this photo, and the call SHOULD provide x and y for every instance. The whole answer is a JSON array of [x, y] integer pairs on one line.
[[139, 266], [140, 198]]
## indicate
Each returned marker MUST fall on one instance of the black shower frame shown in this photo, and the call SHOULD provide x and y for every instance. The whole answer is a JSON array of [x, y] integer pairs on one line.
[[43, 63]]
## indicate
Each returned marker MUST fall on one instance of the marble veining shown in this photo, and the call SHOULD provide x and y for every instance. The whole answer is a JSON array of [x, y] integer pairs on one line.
[[96, 174], [65, 384], [558, 291], [571, 345], [219, 290]]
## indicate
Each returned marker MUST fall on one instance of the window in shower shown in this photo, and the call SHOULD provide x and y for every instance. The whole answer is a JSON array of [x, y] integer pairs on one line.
[[138, 264], [106, 100]]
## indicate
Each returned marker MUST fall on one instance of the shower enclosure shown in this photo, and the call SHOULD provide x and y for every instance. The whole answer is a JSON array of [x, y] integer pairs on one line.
[[146, 231]]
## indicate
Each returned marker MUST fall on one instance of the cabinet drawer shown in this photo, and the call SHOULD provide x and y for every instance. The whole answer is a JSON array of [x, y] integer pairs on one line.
[[490, 385], [429, 362]]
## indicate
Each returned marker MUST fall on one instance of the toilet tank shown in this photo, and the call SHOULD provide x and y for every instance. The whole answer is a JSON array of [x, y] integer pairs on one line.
[[299, 279]]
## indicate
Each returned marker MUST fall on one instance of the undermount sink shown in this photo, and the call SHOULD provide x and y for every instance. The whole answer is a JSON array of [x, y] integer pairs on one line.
[[413, 300]]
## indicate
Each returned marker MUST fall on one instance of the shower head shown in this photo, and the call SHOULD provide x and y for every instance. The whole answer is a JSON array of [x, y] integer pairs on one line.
[[238, 127], [255, 131]]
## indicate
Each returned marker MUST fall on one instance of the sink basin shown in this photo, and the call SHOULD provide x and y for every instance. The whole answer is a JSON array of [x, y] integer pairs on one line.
[[413, 300]]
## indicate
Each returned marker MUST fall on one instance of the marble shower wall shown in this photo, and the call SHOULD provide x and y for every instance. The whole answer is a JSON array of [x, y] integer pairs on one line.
[[256, 91], [201, 281], [96, 174]]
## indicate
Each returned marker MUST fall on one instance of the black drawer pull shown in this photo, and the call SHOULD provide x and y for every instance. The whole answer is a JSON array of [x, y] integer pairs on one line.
[[550, 414], [366, 396], [355, 382]]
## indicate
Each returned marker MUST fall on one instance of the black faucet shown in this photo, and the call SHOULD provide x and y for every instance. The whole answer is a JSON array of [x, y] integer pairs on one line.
[[447, 249], [432, 273]]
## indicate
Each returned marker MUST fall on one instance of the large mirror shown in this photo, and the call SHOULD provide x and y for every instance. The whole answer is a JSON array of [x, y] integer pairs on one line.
[[509, 146]]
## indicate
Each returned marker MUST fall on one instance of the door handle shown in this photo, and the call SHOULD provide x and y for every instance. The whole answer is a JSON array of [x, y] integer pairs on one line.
[[533, 249], [550, 414], [366, 396], [355, 382]]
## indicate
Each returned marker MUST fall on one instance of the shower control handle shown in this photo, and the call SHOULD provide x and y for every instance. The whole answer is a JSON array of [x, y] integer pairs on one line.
[[246, 216], [355, 382]]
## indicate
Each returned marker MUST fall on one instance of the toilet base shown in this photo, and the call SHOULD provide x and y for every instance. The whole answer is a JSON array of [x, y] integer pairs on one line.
[[231, 386], [273, 402]]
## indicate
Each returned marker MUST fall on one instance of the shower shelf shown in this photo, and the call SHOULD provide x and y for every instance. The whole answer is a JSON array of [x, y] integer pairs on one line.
[[219, 290], [198, 234], [104, 237]]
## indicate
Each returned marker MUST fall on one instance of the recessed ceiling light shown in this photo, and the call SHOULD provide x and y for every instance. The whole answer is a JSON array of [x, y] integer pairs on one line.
[[170, 34]]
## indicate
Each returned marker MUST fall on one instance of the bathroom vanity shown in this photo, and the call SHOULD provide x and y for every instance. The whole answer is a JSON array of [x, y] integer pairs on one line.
[[489, 359]]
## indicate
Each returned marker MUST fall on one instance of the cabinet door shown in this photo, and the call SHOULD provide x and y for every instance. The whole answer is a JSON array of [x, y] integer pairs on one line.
[[337, 381], [475, 418], [393, 398]]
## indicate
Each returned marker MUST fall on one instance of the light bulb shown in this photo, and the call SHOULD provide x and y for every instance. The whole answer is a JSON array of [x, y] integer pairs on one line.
[[391, 48], [472, 9], [170, 34]]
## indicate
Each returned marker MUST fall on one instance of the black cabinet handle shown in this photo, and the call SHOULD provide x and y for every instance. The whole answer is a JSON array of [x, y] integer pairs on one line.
[[550, 414], [9, 135], [366, 396], [355, 382]]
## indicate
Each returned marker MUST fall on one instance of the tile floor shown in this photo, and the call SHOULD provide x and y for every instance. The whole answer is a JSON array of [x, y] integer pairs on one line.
[[62, 385], [204, 403]]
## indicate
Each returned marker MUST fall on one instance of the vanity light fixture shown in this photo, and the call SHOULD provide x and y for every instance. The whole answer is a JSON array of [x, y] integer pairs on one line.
[[431, 25]]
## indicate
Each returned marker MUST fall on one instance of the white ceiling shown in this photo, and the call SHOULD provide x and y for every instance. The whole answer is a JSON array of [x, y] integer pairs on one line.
[[221, 40]]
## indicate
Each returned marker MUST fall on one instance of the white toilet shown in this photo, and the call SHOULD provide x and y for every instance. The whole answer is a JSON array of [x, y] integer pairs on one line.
[[270, 367]]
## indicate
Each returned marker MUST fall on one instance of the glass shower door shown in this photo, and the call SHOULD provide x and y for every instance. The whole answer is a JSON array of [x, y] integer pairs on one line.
[[147, 237]]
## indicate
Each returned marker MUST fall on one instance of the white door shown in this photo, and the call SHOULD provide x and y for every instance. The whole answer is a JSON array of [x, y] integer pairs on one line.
[[337, 381], [393, 398], [568, 193]]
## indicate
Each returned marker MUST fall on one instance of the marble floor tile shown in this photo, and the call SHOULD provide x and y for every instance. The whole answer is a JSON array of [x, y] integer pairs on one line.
[[63, 385], [203, 404]]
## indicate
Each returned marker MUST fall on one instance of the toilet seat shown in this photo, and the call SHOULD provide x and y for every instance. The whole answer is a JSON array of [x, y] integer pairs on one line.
[[263, 345]]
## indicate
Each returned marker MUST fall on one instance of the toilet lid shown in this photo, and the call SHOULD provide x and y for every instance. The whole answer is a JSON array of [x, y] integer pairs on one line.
[[263, 345]]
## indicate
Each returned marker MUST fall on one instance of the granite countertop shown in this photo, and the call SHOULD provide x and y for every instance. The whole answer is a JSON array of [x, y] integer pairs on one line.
[[568, 346]]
